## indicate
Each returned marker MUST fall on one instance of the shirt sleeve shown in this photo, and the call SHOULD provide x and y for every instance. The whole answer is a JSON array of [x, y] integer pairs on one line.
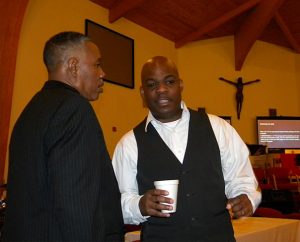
[[237, 169], [125, 166]]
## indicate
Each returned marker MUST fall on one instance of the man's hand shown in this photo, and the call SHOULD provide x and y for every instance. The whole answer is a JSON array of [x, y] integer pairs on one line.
[[240, 206], [150, 203]]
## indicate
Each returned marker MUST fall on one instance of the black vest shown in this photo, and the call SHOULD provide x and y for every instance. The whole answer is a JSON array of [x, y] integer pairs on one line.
[[201, 204]]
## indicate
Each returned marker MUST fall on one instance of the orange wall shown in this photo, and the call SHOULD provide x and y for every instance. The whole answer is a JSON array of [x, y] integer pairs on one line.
[[200, 65], [118, 106], [297, 64]]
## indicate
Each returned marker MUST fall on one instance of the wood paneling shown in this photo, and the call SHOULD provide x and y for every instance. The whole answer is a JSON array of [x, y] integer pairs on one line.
[[182, 21], [11, 17]]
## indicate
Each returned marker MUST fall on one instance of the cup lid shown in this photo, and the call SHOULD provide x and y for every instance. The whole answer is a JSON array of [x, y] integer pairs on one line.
[[165, 182]]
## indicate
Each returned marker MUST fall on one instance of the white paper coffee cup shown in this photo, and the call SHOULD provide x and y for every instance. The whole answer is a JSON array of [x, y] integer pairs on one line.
[[172, 187]]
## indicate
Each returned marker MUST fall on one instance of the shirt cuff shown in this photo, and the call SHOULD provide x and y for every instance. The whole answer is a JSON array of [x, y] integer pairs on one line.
[[255, 199], [137, 216]]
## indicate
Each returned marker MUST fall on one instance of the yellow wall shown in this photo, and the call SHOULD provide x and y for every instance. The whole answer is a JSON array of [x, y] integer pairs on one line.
[[118, 106], [200, 65], [297, 64]]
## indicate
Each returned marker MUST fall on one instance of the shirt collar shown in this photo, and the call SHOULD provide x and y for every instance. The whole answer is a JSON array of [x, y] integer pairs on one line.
[[150, 117]]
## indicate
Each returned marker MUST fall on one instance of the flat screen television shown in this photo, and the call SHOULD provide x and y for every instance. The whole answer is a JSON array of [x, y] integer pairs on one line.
[[278, 133]]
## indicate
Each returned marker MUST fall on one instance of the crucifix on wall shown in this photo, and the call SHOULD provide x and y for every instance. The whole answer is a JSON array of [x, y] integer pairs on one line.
[[239, 92]]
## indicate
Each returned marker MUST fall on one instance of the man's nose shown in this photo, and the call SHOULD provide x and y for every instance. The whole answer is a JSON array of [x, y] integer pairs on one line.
[[161, 87], [102, 74]]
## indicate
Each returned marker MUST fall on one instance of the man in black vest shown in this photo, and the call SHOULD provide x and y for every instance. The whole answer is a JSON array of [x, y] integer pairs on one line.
[[202, 151]]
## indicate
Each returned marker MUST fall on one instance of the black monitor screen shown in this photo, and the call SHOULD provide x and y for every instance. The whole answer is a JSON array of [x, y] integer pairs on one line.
[[279, 132]]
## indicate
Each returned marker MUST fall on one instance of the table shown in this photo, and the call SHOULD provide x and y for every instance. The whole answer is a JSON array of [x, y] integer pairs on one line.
[[255, 229]]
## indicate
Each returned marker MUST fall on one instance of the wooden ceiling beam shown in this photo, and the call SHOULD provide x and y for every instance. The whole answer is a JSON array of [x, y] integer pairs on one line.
[[121, 8], [287, 33], [216, 23], [252, 28]]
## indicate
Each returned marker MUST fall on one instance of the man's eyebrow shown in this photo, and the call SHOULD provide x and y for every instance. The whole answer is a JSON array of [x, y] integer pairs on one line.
[[171, 75], [149, 79], [164, 78]]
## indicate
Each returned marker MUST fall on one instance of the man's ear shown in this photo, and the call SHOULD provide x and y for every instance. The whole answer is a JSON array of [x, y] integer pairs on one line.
[[73, 66], [143, 96], [181, 84], [142, 92]]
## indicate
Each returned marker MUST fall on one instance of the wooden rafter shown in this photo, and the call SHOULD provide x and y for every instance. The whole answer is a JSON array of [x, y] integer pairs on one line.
[[121, 8], [287, 33], [254, 16], [252, 28], [216, 23]]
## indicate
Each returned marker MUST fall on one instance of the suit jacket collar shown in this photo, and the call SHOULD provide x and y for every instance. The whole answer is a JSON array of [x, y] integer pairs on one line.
[[58, 84]]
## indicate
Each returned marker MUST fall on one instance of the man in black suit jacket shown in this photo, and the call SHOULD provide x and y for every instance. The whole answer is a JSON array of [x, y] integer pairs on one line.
[[61, 184]]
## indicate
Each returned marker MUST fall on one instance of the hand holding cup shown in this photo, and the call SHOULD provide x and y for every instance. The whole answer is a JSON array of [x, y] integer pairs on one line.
[[172, 187]]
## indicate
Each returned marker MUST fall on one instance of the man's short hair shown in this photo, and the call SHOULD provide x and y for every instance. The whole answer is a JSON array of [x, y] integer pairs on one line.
[[58, 45]]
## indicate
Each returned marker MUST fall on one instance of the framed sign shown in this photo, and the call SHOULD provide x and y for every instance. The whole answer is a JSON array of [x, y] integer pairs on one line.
[[226, 118], [117, 52]]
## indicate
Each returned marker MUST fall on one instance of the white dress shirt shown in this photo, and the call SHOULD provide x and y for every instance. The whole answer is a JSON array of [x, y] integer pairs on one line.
[[237, 170]]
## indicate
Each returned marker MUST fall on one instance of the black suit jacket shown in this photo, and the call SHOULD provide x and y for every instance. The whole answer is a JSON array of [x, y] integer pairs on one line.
[[61, 185]]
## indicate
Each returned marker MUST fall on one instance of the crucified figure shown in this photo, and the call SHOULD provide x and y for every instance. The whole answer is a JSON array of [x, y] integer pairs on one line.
[[239, 92]]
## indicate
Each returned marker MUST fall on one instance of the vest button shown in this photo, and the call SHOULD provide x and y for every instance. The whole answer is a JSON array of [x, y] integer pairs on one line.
[[188, 194], [193, 219]]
